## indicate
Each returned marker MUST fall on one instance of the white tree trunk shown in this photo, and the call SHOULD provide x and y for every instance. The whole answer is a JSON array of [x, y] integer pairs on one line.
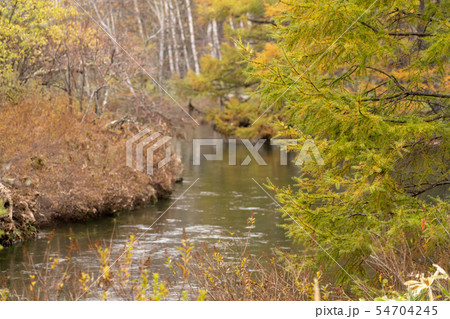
[[216, 41], [169, 46], [113, 22], [231, 23], [161, 39], [232, 28], [139, 20], [173, 26], [191, 30], [210, 39], [105, 100], [183, 38]]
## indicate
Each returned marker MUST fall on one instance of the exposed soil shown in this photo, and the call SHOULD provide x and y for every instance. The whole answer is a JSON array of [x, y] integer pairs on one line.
[[55, 168]]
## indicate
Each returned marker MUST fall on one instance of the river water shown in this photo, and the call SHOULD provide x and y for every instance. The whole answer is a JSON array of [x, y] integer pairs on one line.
[[216, 205]]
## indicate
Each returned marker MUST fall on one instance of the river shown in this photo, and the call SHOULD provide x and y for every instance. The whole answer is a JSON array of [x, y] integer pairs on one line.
[[217, 201]]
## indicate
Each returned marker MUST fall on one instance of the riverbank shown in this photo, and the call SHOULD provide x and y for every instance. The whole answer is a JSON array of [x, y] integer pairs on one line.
[[55, 168]]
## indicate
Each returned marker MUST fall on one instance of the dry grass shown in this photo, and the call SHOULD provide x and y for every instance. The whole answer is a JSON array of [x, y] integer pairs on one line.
[[222, 272], [197, 273], [62, 169]]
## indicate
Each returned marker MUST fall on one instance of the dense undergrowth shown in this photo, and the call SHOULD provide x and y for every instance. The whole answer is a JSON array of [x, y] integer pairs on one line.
[[60, 167]]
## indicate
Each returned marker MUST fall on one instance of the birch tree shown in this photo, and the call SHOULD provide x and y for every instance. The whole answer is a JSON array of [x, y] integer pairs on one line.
[[183, 37], [173, 26], [139, 20], [192, 36]]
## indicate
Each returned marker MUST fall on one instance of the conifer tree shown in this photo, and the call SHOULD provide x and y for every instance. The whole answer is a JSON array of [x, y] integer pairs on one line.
[[368, 81]]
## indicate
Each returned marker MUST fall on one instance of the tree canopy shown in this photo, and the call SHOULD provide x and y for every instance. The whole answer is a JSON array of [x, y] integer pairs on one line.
[[368, 81]]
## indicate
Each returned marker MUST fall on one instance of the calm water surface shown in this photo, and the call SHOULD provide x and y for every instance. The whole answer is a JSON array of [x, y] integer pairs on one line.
[[218, 204]]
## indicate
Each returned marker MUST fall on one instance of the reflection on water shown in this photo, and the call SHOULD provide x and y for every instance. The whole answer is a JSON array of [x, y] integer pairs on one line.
[[219, 203]]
